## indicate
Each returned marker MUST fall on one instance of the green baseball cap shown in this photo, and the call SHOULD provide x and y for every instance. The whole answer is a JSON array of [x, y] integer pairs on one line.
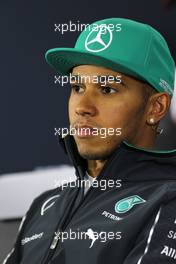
[[123, 45]]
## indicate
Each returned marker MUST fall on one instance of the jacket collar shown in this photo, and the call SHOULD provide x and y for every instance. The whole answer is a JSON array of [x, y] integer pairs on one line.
[[124, 159]]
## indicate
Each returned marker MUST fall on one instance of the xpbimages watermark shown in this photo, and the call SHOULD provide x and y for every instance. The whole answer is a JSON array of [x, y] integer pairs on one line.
[[103, 132], [102, 184], [91, 235], [74, 79], [77, 26]]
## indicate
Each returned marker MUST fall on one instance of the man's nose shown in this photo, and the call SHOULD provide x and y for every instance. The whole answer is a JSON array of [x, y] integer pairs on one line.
[[86, 106]]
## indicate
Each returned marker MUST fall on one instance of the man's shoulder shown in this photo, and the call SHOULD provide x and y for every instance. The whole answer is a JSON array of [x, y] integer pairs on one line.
[[45, 197]]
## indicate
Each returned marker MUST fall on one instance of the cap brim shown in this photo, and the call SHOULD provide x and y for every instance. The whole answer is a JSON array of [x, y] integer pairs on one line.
[[64, 59]]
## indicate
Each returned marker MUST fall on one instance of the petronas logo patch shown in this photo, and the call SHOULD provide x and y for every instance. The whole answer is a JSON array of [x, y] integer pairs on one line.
[[127, 204]]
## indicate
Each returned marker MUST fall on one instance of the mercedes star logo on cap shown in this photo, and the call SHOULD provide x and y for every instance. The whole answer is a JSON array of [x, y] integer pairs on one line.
[[96, 37]]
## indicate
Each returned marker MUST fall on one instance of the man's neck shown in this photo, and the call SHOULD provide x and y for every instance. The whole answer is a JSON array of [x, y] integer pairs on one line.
[[146, 143], [145, 139], [95, 166]]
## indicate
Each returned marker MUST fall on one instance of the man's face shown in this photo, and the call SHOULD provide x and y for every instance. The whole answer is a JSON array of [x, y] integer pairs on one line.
[[114, 105]]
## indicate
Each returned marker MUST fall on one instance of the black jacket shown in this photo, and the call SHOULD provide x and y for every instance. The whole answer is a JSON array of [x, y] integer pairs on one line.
[[130, 222]]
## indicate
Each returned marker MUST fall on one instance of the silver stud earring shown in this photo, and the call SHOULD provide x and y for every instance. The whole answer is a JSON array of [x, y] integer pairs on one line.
[[152, 121]]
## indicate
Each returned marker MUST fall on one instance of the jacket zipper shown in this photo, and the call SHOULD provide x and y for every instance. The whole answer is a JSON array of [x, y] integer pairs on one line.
[[55, 240], [52, 247]]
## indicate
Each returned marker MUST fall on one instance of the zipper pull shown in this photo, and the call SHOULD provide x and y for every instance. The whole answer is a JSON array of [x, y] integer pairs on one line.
[[55, 240]]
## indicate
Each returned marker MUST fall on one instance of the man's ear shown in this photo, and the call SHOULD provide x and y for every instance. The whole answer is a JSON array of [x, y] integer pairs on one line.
[[159, 104]]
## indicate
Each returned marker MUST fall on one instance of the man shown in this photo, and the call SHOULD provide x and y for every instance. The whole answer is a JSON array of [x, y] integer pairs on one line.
[[126, 210]]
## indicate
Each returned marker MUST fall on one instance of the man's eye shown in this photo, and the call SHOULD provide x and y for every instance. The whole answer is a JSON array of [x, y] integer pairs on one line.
[[77, 88], [108, 90]]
